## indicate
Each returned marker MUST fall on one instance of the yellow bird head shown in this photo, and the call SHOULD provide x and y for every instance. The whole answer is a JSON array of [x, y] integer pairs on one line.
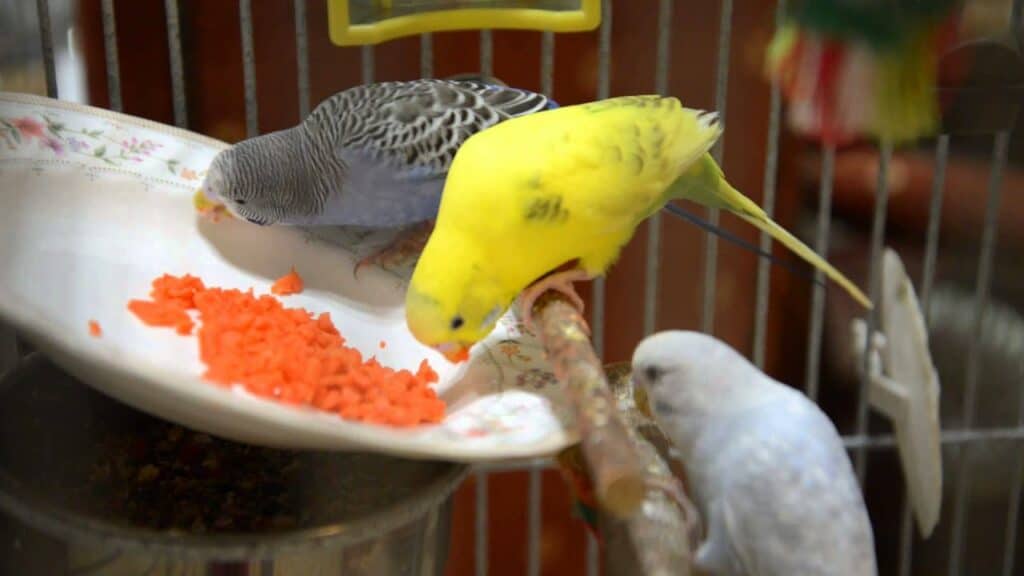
[[453, 300]]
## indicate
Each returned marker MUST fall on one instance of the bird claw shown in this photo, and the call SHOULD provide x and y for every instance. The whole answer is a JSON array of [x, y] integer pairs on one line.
[[560, 282], [405, 245]]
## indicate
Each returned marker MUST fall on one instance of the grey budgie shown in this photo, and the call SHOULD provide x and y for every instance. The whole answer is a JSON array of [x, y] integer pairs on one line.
[[767, 468], [374, 155]]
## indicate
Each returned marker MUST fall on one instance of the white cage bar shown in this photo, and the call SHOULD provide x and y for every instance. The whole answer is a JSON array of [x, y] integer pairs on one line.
[[721, 97]]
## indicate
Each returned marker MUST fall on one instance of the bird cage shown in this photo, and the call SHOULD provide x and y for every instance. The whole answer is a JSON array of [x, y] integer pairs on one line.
[[948, 205]]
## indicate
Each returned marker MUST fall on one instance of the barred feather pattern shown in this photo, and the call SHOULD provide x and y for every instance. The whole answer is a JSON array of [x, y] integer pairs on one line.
[[371, 155], [420, 123], [414, 128]]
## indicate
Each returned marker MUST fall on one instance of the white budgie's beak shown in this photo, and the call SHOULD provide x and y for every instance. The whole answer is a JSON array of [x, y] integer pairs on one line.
[[640, 397]]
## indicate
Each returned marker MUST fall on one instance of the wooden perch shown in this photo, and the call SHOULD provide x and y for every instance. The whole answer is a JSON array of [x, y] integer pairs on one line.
[[659, 534], [615, 468], [644, 531]]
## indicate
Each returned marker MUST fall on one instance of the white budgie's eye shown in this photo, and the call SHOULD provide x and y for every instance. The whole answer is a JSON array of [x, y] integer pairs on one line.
[[652, 374]]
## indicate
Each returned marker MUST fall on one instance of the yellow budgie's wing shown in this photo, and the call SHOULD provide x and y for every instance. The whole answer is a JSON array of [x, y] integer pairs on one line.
[[623, 153], [572, 182], [615, 156]]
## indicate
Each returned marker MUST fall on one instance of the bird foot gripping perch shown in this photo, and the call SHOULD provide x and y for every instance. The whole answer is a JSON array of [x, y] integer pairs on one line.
[[904, 386], [560, 282]]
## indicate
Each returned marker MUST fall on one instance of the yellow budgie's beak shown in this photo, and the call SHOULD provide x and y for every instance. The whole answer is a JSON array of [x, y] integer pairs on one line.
[[454, 353], [208, 208]]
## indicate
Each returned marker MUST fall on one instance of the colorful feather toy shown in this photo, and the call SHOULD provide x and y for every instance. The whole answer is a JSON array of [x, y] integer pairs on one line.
[[855, 69]]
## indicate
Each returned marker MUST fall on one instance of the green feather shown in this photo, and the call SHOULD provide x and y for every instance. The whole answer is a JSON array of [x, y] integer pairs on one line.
[[882, 24]]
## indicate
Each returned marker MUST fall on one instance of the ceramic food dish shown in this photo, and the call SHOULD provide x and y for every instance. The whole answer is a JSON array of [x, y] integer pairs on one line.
[[94, 205]]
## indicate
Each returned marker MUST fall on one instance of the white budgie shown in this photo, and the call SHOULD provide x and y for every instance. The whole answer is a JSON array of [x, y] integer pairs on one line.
[[768, 471]]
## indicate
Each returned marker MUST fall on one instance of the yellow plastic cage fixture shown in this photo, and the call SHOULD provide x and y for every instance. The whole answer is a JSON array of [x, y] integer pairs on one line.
[[357, 22]]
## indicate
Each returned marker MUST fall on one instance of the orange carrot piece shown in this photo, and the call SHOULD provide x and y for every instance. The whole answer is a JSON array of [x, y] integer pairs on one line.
[[289, 355], [290, 283], [94, 329]]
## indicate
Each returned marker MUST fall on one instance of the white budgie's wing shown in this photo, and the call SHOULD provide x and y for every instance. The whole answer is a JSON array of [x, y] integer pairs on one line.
[[716, 554], [793, 505], [413, 129]]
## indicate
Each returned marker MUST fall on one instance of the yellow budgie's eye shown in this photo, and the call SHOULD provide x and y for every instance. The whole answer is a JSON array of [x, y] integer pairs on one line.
[[457, 322]]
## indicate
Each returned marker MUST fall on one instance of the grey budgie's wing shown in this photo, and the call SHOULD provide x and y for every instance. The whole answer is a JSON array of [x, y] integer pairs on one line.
[[414, 128]]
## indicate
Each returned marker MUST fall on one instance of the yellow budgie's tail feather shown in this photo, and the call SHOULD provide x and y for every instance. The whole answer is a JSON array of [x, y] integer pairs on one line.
[[704, 183], [782, 235]]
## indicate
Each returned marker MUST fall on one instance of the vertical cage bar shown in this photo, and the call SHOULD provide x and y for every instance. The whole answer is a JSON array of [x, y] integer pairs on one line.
[[110, 52], [927, 280], [1013, 507], [1017, 23], [828, 163], [874, 279], [486, 69], [177, 63], [369, 65], [302, 57], [1017, 478], [604, 55], [984, 279], [536, 493], [906, 535], [8, 349], [533, 521], [711, 241], [771, 171], [480, 544], [653, 264], [934, 218], [593, 556], [252, 113], [426, 55], [1012, 514], [547, 63], [486, 53], [46, 42]]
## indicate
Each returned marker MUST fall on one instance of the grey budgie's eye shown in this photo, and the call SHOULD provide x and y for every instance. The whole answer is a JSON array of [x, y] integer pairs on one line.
[[240, 201]]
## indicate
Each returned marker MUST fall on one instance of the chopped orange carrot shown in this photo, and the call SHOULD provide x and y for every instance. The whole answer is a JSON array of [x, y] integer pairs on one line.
[[167, 313], [94, 329], [290, 283], [288, 354]]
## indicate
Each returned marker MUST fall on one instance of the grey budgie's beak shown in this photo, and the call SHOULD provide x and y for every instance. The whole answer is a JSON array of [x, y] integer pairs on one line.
[[209, 206]]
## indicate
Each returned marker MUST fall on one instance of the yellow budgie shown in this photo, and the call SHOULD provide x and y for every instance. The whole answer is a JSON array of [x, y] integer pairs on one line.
[[567, 185]]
